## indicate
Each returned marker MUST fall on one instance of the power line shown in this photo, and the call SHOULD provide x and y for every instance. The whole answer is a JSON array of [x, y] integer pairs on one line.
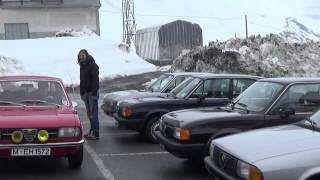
[[263, 25], [113, 6], [179, 16]]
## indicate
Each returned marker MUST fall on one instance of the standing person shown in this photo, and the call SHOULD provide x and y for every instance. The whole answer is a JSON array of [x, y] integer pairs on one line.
[[89, 87]]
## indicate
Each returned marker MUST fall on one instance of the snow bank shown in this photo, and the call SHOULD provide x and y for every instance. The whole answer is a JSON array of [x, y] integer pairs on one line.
[[9, 66], [269, 56], [58, 57], [85, 32]]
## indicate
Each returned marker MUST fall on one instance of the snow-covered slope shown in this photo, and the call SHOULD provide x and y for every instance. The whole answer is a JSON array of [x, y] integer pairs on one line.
[[297, 32], [58, 57], [9, 66]]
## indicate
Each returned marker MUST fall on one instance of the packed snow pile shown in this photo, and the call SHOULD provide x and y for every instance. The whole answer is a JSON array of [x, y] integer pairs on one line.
[[296, 32], [268, 56], [58, 57], [9, 66], [85, 32]]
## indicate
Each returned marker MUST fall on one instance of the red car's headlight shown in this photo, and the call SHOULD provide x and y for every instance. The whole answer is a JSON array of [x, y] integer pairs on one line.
[[69, 132]]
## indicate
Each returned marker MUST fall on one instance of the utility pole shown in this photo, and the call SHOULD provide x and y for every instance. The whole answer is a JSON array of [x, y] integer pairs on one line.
[[129, 24], [246, 27]]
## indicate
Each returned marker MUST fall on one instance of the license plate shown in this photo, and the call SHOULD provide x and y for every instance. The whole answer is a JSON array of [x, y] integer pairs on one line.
[[30, 152]]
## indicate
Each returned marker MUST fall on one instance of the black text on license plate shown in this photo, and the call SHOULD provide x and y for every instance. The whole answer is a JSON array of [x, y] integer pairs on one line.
[[30, 152]]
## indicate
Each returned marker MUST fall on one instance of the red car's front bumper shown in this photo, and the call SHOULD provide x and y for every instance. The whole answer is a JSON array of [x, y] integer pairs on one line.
[[57, 149]]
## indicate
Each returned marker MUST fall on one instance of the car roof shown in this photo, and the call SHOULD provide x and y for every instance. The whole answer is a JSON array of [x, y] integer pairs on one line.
[[290, 80], [186, 73], [212, 75], [29, 77]]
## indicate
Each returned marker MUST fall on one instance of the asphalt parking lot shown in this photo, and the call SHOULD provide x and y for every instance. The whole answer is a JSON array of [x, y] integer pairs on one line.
[[124, 154], [119, 154]]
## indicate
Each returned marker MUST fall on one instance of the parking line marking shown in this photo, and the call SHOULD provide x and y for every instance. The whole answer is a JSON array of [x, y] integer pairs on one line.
[[99, 163], [134, 154]]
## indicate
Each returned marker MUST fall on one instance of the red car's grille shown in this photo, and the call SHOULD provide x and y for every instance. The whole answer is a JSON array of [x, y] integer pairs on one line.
[[29, 135]]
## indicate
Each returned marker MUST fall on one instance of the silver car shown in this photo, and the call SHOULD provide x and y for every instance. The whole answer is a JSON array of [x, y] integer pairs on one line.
[[279, 153]]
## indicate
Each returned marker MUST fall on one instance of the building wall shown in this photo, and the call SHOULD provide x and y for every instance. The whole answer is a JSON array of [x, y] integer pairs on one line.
[[161, 45], [177, 36], [147, 45], [47, 21]]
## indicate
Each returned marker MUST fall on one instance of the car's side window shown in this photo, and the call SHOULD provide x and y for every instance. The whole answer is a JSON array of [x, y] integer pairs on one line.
[[239, 85], [179, 80], [199, 91], [300, 97], [219, 88], [175, 83], [214, 88]]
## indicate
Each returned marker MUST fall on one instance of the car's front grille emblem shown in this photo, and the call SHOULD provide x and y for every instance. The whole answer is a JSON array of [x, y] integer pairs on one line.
[[223, 158], [29, 134]]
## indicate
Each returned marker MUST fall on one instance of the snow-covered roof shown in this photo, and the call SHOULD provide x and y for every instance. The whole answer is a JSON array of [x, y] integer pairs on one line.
[[157, 27]]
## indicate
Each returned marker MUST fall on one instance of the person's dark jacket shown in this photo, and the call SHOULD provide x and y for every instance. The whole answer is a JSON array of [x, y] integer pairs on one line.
[[89, 77]]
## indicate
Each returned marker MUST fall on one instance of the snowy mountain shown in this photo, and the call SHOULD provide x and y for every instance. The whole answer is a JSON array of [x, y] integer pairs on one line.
[[297, 32]]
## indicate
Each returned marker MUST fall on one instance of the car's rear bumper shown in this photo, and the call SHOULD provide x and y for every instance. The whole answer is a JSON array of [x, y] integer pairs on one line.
[[215, 171], [179, 149], [57, 149]]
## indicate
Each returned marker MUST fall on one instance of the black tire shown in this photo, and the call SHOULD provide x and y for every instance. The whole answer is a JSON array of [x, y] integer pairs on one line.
[[314, 177], [151, 127], [75, 160]]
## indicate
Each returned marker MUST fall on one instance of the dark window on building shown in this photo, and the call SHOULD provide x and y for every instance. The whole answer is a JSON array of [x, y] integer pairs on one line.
[[16, 31]]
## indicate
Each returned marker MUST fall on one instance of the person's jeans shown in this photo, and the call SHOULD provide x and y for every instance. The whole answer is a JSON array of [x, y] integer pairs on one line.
[[92, 112]]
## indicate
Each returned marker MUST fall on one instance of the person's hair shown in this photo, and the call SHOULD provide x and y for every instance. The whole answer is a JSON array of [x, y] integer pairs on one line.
[[83, 51]]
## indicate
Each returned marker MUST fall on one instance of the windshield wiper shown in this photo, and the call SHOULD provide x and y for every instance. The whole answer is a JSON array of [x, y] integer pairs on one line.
[[11, 103], [39, 102], [313, 123], [232, 105]]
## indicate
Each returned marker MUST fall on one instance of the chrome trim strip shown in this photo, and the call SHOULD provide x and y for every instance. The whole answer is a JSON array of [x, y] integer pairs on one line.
[[63, 144]]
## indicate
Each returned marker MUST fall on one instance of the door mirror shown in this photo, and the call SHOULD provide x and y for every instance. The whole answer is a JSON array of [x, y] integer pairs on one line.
[[201, 98], [286, 112], [74, 105]]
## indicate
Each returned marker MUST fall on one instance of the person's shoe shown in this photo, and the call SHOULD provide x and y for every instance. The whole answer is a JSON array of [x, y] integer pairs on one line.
[[89, 134], [92, 137]]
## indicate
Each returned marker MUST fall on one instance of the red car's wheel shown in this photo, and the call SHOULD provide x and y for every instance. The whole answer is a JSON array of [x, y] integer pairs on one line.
[[75, 160]]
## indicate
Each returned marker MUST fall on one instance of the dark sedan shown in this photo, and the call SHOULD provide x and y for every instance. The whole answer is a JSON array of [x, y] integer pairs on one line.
[[143, 114], [268, 102], [164, 84]]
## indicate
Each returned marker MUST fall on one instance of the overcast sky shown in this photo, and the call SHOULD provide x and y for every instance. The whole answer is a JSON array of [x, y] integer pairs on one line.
[[218, 19]]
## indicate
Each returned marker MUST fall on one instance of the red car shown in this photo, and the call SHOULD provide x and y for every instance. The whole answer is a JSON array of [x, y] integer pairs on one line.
[[37, 119]]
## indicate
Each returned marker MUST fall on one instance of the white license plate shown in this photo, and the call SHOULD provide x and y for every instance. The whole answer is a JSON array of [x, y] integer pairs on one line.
[[30, 152]]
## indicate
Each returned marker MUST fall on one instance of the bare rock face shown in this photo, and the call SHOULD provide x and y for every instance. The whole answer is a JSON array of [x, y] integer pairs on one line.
[[269, 56]]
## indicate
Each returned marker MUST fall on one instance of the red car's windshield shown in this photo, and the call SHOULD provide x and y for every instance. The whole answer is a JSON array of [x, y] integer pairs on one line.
[[32, 92]]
